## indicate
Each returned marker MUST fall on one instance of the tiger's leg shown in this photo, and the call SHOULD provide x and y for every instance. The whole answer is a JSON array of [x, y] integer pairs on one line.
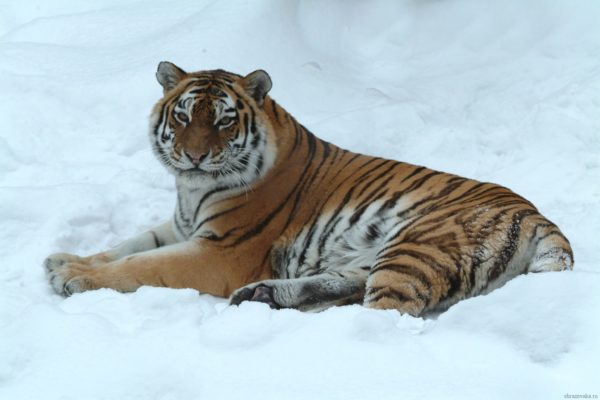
[[413, 278], [190, 264], [311, 293], [160, 236]]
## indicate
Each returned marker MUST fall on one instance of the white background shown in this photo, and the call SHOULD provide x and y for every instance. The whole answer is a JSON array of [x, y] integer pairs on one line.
[[503, 91]]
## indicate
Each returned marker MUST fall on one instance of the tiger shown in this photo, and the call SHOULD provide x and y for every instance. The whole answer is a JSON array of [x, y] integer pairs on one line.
[[268, 212]]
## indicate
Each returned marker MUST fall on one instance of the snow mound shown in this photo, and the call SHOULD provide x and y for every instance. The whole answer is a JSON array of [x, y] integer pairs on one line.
[[507, 92]]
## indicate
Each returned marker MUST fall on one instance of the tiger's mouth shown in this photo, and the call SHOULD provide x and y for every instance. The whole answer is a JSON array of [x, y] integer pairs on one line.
[[196, 172], [230, 163], [210, 167], [204, 168]]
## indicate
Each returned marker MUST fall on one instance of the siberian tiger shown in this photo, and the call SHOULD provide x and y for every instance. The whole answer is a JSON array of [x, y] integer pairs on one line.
[[268, 212]]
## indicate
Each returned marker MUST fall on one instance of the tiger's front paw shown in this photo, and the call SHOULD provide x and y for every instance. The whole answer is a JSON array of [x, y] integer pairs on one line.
[[59, 259], [257, 292], [67, 277]]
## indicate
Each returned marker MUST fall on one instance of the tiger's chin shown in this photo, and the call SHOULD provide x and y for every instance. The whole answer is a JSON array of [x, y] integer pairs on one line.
[[196, 176], [202, 177]]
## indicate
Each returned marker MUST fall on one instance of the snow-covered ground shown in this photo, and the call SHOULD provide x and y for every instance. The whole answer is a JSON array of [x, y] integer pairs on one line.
[[504, 91]]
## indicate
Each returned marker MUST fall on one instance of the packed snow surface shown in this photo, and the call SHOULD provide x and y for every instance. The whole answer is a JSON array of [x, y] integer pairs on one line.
[[501, 91]]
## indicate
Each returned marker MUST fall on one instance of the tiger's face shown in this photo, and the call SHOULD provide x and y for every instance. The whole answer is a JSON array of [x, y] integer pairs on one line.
[[210, 125]]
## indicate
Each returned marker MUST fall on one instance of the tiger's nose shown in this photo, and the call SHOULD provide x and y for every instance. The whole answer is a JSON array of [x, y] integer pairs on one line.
[[195, 158]]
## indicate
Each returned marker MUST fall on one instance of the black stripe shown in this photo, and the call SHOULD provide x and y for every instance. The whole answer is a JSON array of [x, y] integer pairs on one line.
[[156, 241], [549, 251], [255, 140], [217, 215], [297, 137], [364, 204], [180, 211], [392, 201], [259, 164], [555, 232], [304, 180], [430, 199], [252, 120], [416, 171], [159, 122], [178, 225], [206, 196], [274, 108], [246, 131], [510, 246], [373, 295], [377, 177], [452, 278], [408, 270]]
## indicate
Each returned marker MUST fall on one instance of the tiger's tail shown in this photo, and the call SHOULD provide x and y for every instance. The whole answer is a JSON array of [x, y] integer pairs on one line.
[[551, 249]]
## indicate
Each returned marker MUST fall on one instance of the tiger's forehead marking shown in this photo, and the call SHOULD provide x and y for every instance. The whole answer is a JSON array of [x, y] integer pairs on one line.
[[224, 107], [212, 91], [185, 103], [220, 101]]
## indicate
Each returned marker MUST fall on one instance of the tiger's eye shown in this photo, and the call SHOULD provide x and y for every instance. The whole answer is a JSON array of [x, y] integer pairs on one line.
[[225, 121], [182, 117]]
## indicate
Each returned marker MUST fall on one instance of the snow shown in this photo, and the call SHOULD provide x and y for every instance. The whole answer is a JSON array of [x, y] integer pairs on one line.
[[506, 91]]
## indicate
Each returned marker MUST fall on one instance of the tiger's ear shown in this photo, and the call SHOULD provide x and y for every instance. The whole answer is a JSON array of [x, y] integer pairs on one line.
[[169, 75], [257, 84]]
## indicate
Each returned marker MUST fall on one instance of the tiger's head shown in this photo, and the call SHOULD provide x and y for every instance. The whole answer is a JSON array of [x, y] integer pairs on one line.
[[211, 126]]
